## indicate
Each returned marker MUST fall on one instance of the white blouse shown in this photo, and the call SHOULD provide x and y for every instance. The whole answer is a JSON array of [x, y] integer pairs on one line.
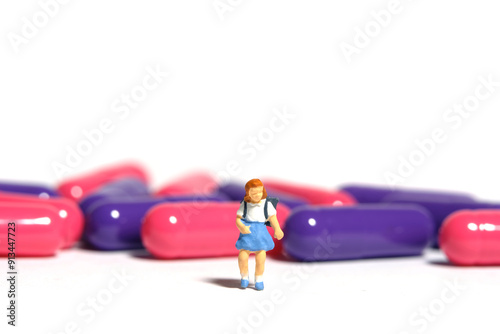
[[255, 212]]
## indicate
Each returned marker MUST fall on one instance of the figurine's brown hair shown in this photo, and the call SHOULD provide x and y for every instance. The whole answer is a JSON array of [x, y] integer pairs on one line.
[[253, 183]]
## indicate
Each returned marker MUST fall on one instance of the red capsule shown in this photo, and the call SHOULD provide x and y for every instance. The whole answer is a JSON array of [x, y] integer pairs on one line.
[[193, 230], [77, 187], [471, 237], [191, 184], [313, 195], [35, 230], [69, 212]]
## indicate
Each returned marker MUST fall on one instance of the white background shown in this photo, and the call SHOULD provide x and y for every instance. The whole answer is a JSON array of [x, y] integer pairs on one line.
[[227, 73]]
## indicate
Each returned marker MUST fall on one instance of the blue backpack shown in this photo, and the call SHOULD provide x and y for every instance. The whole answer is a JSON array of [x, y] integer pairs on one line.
[[274, 201]]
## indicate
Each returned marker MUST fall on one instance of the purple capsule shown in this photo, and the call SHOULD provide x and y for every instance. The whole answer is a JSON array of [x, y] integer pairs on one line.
[[356, 232], [127, 187], [291, 202], [374, 194], [439, 207], [30, 189], [115, 223], [236, 192]]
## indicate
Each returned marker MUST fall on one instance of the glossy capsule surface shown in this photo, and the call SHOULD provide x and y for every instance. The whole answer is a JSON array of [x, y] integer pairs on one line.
[[356, 232], [115, 223], [29, 189], [185, 230], [472, 237], [78, 187], [123, 188], [312, 195], [71, 216], [439, 207], [236, 192], [38, 229], [379, 194], [196, 183]]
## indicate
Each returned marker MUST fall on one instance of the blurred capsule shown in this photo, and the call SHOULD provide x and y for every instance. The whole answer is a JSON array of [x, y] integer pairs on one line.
[[356, 232], [236, 192], [34, 229], [115, 223], [472, 238], [126, 187], [78, 187], [29, 189], [313, 195], [197, 183], [69, 212], [184, 230], [378, 194]]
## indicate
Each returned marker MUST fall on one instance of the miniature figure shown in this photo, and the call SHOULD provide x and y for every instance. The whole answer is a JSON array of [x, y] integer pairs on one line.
[[255, 212]]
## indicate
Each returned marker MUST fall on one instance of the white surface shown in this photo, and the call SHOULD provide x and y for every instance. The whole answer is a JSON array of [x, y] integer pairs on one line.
[[351, 123], [201, 296]]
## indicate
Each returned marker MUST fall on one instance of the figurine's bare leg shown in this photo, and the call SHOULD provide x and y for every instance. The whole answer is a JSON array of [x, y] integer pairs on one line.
[[260, 259], [243, 261]]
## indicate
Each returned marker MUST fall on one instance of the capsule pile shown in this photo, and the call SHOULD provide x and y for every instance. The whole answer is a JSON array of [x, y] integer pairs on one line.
[[114, 208]]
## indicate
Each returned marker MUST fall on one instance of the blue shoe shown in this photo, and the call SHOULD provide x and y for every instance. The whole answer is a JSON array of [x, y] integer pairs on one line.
[[244, 283], [259, 285]]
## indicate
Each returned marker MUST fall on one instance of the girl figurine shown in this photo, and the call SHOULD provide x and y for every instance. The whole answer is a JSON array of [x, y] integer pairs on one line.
[[254, 237]]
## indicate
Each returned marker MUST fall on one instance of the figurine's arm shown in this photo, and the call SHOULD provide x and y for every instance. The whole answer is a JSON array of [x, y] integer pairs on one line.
[[244, 229], [278, 233]]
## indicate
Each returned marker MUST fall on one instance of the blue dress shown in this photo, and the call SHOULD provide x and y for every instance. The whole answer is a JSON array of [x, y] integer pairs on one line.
[[259, 238]]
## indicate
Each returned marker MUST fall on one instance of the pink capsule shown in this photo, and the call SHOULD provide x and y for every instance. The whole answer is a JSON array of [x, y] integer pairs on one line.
[[77, 187], [313, 195], [194, 230], [197, 183], [29, 229], [471, 237], [69, 212]]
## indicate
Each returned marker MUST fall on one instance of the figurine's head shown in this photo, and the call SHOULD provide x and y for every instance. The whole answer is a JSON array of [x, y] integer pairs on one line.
[[254, 191]]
